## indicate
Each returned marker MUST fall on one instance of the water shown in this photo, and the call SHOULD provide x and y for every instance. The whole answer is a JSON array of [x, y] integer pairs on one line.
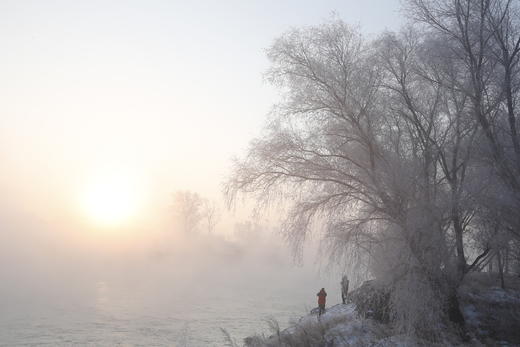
[[149, 314], [181, 296]]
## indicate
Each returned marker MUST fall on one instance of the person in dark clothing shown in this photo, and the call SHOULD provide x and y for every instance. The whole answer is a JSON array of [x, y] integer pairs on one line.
[[322, 294], [344, 289]]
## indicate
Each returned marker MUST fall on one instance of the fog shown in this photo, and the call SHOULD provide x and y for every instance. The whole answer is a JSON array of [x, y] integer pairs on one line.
[[182, 173], [51, 270], [34, 248], [109, 110]]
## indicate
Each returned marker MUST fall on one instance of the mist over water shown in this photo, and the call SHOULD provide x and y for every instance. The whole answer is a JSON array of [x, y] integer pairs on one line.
[[175, 290]]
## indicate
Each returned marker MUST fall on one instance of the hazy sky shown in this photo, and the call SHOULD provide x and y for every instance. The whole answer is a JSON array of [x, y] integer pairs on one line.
[[162, 93], [140, 99]]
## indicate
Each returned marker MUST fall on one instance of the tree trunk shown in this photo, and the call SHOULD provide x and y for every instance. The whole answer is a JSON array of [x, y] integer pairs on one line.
[[506, 259], [461, 258], [501, 269], [511, 114], [455, 314]]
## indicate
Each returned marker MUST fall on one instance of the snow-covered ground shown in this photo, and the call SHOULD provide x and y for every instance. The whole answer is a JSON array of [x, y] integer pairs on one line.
[[339, 326], [492, 317], [492, 313]]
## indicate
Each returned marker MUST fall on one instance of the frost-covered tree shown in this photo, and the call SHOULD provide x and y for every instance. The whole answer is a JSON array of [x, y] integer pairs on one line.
[[351, 146], [211, 215], [188, 208], [484, 40], [398, 149], [194, 212]]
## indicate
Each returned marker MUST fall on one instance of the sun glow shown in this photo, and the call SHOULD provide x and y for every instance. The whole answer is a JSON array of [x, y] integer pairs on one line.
[[111, 199]]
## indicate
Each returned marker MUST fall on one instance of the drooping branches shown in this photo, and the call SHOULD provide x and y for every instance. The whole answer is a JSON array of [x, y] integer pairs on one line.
[[382, 144]]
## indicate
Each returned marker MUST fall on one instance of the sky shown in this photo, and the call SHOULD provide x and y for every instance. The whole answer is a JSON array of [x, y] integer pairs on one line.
[[158, 94]]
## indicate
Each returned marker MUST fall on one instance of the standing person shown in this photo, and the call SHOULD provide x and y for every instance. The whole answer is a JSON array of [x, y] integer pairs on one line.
[[322, 294], [344, 289]]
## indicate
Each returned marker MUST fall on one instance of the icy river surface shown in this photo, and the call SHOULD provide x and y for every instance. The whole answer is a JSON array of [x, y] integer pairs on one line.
[[137, 314]]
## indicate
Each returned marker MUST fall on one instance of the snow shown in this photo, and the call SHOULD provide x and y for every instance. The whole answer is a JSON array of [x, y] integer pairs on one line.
[[340, 326], [490, 312]]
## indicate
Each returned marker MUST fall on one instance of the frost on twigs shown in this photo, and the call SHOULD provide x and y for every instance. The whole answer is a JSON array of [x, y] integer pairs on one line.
[[401, 153]]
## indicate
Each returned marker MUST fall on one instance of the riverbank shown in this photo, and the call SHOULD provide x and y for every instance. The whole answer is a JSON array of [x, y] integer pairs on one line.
[[491, 313]]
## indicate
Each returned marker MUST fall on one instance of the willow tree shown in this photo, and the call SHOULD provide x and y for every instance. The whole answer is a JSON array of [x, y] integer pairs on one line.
[[322, 149], [355, 147]]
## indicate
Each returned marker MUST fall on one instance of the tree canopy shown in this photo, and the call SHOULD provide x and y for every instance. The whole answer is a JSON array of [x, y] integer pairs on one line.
[[403, 149]]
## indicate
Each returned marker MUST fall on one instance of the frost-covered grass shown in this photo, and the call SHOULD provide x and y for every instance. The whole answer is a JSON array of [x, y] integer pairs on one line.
[[340, 326], [492, 317]]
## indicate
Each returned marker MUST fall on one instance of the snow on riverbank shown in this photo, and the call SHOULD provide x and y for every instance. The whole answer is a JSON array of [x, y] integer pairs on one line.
[[491, 315], [339, 326]]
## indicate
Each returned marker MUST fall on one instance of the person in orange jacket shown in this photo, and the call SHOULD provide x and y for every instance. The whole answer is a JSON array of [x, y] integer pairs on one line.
[[322, 294]]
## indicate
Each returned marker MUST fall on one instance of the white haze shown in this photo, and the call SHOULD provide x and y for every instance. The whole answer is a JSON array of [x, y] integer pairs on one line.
[[168, 92], [192, 284]]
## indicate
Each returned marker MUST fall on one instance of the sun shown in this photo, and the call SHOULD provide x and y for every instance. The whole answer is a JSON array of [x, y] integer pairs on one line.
[[110, 199]]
